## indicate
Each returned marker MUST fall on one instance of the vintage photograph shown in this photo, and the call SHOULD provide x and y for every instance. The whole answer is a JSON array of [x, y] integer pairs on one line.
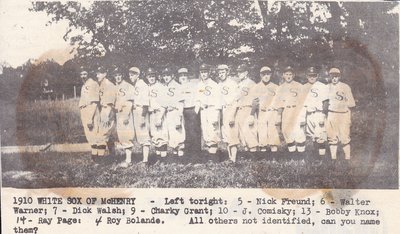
[[199, 94]]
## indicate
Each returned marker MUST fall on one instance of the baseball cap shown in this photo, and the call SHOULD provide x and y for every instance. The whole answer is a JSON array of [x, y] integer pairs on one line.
[[101, 68], [203, 67], [265, 69], [334, 70], [242, 68], [167, 71], [312, 70], [151, 70], [134, 69], [222, 67], [288, 69], [183, 70]]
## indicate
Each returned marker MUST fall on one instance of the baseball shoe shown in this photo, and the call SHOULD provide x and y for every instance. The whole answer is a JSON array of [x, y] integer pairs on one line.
[[144, 165], [124, 164]]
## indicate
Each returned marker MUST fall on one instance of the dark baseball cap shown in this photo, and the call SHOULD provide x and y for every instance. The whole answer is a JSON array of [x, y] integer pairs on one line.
[[151, 71], [167, 71], [288, 69], [242, 68], [204, 67], [101, 68], [312, 71]]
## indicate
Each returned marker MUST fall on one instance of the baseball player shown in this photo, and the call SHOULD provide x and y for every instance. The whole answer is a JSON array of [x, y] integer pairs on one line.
[[265, 103], [140, 112], [174, 112], [339, 115], [123, 108], [191, 119], [316, 95], [290, 94], [88, 105], [107, 93], [229, 95], [207, 102], [157, 111], [246, 122]]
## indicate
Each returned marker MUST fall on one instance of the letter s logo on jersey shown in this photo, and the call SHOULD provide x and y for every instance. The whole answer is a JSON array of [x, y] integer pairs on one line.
[[153, 93], [225, 90], [340, 96], [208, 90], [122, 92], [314, 92], [294, 92], [271, 92], [245, 91], [171, 92], [136, 91]]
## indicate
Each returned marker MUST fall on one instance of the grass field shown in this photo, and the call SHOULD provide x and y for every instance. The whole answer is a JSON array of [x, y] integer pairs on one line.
[[374, 152], [252, 171]]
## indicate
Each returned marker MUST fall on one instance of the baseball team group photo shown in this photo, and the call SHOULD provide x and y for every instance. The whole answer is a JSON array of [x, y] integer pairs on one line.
[[194, 94]]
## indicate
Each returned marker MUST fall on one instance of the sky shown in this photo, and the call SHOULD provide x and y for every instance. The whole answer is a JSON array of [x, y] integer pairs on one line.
[[24, 35]]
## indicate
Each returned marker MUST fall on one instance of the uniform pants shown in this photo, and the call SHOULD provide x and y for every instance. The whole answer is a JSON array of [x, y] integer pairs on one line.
[[315, 126], [192, 130], [86, 117], [267, 129], [230, 134], [210, 128], [291, 129], [159, 135], [125, 132], [106, 125], [338, 127], [247, 133], [176, 137], [142, 134]]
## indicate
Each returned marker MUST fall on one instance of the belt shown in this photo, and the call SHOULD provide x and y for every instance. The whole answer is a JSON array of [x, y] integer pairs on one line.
[[207, 106], [227, 105], [265, 110], [136, 106], [155, 110], [339, 112], [311, 112], [292, 106], [243, 107], [169, 109]]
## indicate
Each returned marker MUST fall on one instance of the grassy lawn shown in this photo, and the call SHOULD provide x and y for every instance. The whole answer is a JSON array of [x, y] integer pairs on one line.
[[374, 164], [252, 171]]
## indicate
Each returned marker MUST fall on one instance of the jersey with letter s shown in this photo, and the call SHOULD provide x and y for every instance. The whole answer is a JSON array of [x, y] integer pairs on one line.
[[89, 93], [340, 97]]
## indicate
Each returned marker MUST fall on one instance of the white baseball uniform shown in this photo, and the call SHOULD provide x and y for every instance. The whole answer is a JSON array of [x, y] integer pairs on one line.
[[290, 97], [229, 96], [88, 104], [315, 95], [247, 134], [141, 119], [159, 134], [123, 107], [339, 116], [174, 116], [268, 115], [108, 96], [208, 100]]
